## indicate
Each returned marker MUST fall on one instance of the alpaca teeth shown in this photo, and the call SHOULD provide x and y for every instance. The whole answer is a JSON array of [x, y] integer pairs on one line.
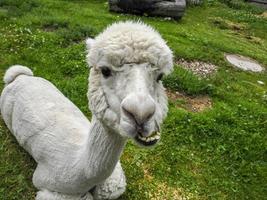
[[157, 137], [153, 137], [142, 138]]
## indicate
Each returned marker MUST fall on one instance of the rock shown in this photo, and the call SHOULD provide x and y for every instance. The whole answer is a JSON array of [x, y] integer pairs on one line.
[[194, 2], [260, 3], [168, 8], [244, 63]]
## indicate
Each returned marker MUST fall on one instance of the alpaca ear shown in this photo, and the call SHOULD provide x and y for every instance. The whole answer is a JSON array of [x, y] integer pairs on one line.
[[89, 43]]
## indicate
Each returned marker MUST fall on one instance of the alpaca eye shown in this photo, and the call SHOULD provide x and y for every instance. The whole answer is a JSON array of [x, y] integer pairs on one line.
[[160, 76], [106, 72]]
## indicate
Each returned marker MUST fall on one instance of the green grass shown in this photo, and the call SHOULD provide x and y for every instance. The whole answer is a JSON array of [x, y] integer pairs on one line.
[[217, 154]]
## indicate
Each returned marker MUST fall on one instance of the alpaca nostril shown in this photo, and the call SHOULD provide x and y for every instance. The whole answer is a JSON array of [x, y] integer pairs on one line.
[[128, 114]]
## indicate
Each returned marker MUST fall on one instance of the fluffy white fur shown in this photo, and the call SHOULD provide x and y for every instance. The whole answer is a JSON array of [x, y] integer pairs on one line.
[[73, 155], [15, 71], [61, 140], [129, 42]]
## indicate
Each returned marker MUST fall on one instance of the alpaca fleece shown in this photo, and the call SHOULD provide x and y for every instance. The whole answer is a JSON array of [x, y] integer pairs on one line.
[[77, 159]]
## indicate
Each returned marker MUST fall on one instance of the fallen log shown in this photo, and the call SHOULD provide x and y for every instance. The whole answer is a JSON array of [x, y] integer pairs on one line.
[[168, 8]]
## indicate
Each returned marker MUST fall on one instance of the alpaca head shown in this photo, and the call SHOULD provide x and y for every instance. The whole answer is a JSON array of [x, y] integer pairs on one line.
[[126, 94]]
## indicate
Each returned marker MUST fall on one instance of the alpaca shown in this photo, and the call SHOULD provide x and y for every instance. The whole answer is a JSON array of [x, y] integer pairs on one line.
[[76, 159]]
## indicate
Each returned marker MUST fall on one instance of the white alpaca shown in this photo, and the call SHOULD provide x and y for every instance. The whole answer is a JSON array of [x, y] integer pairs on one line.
[[78, 159]]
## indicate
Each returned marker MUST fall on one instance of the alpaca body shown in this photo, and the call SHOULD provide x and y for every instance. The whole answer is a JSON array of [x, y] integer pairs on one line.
[[127, 101], [58, 136]]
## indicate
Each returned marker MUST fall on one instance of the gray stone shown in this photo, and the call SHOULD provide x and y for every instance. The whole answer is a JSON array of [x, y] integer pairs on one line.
[[260, 3], [167, 8], [244, 63], [194, 2]]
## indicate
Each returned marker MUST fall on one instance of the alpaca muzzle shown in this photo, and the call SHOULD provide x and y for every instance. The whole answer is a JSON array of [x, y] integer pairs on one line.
[[139, 108], [138, 112]]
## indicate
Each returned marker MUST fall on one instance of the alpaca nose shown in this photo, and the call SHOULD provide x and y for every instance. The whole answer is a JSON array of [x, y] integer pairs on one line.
[[139, 107]]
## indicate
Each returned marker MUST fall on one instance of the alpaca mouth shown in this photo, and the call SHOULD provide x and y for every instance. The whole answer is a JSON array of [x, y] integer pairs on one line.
[[148, 141]]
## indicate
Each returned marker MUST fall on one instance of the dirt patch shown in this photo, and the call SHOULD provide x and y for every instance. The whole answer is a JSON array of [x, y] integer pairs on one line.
[[251, 38], [50, 28], [254, 39], [53, 26], [189, 103], [237, 28], [165, 192], [264, 15], [227, 24], [162, 191], [198, 68], [147, 174]]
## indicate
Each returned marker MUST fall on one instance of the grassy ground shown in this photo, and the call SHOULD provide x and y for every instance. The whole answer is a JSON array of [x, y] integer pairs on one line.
[[216, 154]]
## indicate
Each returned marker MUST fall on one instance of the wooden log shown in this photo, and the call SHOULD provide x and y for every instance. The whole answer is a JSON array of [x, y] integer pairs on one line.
[[260, 3], [167, 8]]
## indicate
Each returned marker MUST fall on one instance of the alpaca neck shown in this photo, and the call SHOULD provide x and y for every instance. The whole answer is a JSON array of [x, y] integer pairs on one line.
[[103, 151]]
